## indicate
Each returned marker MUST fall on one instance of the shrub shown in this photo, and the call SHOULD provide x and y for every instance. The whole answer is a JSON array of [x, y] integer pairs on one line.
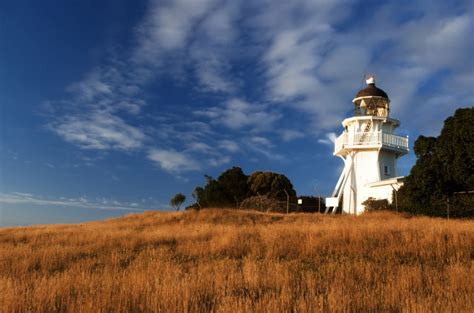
[[372, 204], [263, 204], [444, 168]]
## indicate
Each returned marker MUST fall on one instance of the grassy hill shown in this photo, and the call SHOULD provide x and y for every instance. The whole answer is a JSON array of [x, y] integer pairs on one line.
[[236, 261]]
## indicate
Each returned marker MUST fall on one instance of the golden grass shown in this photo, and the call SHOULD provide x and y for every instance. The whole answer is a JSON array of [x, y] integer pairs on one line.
[[236, 261]]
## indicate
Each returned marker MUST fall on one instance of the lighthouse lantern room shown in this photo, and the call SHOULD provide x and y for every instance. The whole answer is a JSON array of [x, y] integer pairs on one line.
[[369, 149]]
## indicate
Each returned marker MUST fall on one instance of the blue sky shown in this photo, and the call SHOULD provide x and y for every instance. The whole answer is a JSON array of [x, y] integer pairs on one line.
[[112, 107]]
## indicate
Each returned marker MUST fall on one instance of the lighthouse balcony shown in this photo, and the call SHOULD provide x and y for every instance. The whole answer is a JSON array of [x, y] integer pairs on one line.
[[348, 141]]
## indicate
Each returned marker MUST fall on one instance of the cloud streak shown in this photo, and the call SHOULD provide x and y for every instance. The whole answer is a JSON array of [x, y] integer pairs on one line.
[[84, 203], [100, 130], [263, 68], [237, 114], [330, 139], [173, 161]]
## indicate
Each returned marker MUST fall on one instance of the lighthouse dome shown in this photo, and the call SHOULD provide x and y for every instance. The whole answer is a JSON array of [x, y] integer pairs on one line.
[[371, 90], [371, 101]]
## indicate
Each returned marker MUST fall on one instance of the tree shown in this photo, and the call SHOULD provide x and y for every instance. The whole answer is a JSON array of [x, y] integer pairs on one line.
[[270, 184], [212, 194], [423, 190], [444, 165], [233, 186], [233, 183], [372, 204], [197, 194], [177, 200], [455, 150]]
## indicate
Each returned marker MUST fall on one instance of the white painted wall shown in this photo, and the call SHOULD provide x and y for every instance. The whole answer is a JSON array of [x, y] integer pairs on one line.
[[387, 158], [368, 167], [379, 192]]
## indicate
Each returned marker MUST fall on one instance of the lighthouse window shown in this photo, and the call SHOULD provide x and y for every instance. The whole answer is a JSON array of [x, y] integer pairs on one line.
[[386, 170]]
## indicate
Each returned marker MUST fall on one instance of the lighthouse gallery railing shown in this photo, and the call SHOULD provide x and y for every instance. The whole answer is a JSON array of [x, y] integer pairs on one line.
[[370, 139]]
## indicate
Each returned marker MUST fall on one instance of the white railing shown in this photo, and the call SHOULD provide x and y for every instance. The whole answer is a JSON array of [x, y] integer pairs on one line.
[[395, 141], [370, 139], [340, 141]]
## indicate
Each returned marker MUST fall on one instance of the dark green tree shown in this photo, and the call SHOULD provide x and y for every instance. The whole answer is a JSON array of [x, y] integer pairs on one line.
[[197, 195], [423, 189], [177, 200], [212, 194], [233, 183], [233, 186], [455, 151], [270, 184], [444, 165]]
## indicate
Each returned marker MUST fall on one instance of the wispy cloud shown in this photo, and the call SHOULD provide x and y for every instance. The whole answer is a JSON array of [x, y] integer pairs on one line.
[[218, 160], [99, 113], [302, 37], [228, 145], [261, 141], [107, 101], [92, 86], [314, 62], [212, 49], [290, 134], [30, 199], [264, 147], [173, 161], [167, 27], [200, 147], [99, 130], [237, 113], [329, 139], [193, 34], [307, 58]]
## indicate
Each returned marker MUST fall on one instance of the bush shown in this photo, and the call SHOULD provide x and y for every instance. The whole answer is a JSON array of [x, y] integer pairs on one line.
[[444, 168], [233, 186], [263, 204], [271, 184], [372, 204]]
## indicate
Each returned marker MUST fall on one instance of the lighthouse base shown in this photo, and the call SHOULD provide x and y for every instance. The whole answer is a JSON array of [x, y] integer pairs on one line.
[[350, 202], [383, 190]]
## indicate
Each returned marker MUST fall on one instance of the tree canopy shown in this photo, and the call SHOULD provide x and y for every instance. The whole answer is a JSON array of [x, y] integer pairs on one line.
[[177, 201], [270, 184], [233, 186], [445, 166], [233, 183]]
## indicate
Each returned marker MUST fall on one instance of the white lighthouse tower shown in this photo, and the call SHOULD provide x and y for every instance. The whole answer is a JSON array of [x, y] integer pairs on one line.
[[370, 150]]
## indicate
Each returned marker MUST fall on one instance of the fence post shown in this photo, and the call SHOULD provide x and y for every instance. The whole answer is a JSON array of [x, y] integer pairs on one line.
[[287, 201], [396, 201]]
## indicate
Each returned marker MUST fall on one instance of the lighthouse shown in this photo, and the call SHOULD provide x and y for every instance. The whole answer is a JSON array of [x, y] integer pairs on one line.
[[369, 149]]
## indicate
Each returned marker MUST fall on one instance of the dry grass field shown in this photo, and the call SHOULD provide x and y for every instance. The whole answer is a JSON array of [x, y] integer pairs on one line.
[[240, 261]]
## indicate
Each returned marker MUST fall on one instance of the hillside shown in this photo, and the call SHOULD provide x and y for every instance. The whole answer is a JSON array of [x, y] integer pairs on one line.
[[231, 261]]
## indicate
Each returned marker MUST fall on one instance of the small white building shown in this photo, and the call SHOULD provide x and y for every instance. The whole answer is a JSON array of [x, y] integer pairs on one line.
[[369, 149]]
